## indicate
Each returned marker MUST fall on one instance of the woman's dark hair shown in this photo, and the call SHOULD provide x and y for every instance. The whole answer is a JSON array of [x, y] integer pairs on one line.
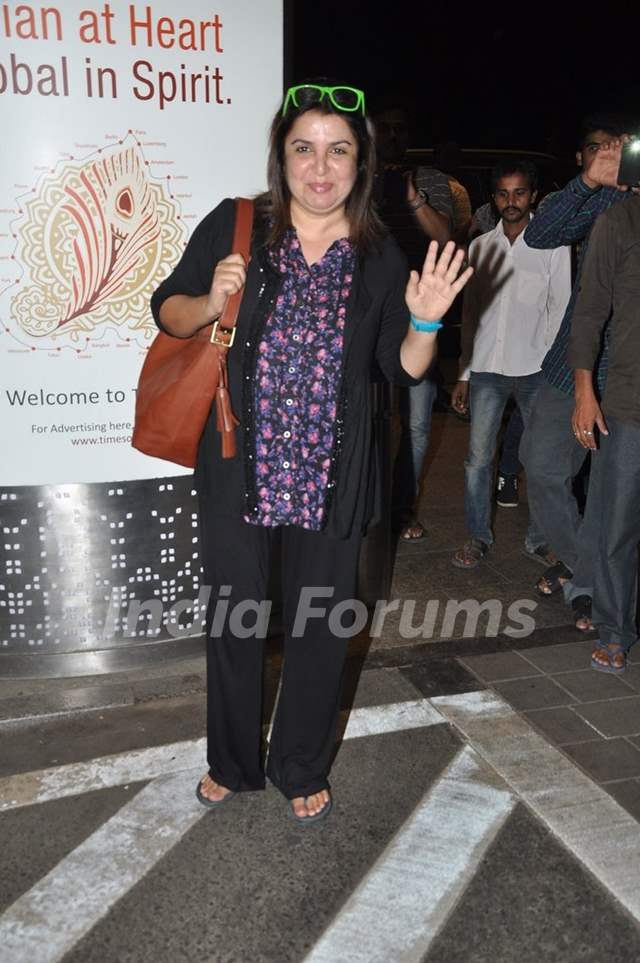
[[514, 165], [366, 227]]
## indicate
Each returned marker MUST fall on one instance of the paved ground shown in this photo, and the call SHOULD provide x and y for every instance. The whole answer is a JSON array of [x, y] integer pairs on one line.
[[486, 794]]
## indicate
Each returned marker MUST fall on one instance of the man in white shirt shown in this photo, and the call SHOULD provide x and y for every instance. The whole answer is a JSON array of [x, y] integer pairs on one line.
[[511, 313]]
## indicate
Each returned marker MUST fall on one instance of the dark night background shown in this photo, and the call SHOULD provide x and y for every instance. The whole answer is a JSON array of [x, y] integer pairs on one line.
[[514, 76]]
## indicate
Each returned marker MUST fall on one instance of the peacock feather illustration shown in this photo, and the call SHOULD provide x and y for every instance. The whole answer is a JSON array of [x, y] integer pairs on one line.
[[96, 240]]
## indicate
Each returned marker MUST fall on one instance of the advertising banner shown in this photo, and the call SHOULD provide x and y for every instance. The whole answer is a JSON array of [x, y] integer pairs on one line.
[[123, 124]]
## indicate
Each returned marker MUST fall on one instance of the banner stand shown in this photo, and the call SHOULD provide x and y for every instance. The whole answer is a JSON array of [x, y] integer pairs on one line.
[[128, 123]]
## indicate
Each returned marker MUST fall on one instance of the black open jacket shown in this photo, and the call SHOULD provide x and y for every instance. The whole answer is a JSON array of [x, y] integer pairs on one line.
[[376, 323]]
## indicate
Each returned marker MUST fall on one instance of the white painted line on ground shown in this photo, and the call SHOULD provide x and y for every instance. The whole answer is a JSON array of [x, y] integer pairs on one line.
[[407, 896], [47, 921], [68, 711], [29, 788], [38, 927], [403, 901], [596, 830], [393, 717]]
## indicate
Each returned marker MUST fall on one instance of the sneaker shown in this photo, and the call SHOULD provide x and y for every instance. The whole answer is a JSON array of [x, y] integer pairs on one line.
[[507, 491]]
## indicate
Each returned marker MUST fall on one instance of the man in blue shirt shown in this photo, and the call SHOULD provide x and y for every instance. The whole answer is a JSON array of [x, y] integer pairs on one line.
[[549, 451]]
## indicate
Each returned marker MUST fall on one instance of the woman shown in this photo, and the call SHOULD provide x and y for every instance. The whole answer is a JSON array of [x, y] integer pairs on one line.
[[324, 298]]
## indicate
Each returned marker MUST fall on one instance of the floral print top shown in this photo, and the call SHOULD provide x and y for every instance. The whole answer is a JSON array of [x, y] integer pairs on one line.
[[296, 384]]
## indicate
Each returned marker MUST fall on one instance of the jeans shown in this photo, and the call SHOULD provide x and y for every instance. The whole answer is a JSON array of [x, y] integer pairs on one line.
[[552, 458], [489, 393], [416, 407], [616, 469], [509, 461]]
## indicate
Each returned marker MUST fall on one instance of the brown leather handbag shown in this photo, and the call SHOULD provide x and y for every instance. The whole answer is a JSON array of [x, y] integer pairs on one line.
[[181, 377]]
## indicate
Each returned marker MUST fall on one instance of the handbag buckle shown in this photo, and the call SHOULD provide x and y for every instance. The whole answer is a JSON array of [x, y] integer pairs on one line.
[[223, 337]]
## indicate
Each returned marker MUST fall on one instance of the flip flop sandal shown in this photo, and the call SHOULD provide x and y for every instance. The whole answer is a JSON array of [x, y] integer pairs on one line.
[[581, 606], [471, 554], [406, 533], [303, 820], [610, 651], [212, 803], [552, 577]]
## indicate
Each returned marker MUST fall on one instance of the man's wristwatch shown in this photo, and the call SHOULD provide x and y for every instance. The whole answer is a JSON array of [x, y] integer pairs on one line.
[[420, 201]]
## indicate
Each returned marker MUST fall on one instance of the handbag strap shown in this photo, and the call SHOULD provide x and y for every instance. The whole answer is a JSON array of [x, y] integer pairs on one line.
[[241, 245]]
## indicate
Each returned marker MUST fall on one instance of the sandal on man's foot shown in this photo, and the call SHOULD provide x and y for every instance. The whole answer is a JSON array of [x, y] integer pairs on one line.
[[471, 554], [542, 554], [553, 579], [322, 814], [412, 531], [581, 606], [609, 657], [213, 803]]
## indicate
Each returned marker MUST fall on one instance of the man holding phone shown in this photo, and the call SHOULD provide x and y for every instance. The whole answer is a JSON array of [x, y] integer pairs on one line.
[[415, 203], [610, 287], [548, 450]]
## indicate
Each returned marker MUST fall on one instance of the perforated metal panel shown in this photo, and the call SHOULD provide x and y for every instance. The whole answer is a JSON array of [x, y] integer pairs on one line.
[[100, 567]]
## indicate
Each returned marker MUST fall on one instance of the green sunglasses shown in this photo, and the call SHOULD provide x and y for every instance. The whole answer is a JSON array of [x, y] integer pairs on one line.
[[342, 98]]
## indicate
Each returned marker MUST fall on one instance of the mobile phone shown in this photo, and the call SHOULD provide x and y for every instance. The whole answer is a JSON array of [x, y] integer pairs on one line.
[[629, 170]]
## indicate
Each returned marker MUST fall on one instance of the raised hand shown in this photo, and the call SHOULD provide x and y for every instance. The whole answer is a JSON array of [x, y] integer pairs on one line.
[[603, 169], [429, 295]]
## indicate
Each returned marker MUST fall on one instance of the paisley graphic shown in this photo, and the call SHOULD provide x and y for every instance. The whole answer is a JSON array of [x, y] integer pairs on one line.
[[96, 239]]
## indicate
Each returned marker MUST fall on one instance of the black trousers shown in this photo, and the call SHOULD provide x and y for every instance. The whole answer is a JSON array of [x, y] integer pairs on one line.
[[236, 559]]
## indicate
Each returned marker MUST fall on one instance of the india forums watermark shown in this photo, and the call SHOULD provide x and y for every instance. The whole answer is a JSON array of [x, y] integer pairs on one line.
[[408, 619]]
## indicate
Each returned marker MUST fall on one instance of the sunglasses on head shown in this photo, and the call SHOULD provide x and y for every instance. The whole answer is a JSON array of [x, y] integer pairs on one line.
[[342, 98]]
